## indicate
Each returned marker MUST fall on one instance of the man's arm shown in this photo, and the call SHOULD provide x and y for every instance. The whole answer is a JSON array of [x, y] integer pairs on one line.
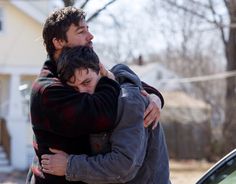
[[121, 165], [123, 73], [128, 140], [152, 113], [71, 113]]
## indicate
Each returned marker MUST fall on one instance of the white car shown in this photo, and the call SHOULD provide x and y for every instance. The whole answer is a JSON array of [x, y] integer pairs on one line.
[[223, 172]]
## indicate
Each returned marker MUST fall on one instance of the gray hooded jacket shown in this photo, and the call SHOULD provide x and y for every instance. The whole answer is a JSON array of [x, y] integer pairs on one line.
[[137, 155]]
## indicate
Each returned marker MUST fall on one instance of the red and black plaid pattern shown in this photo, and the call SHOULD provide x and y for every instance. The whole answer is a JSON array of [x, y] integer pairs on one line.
[[63, 118]]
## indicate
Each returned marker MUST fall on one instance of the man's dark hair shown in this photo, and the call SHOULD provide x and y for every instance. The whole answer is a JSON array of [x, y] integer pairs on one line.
[[58, 23], [79, 57]]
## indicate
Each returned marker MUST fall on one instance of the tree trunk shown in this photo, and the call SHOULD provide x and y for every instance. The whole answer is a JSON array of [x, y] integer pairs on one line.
[[69, 2], [229, 128]]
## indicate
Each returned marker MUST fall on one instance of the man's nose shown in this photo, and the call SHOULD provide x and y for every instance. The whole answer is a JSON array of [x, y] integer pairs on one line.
[[83, 90], [90, 36]]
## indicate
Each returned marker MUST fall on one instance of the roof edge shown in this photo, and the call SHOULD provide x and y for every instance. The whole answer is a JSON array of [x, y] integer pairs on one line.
[[29, 10]]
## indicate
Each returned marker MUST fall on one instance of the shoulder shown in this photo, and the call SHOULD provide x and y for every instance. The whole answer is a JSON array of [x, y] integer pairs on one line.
[[47, 78], [131, 95], [43, 83]]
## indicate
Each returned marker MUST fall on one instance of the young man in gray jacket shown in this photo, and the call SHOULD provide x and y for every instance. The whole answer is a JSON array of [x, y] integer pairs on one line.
[[131, 153]]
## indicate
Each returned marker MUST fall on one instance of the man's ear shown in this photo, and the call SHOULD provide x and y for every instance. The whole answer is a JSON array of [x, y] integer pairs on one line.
[[58, 43]]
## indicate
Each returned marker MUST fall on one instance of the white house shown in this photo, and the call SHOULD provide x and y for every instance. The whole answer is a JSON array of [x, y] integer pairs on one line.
[[21, 57]]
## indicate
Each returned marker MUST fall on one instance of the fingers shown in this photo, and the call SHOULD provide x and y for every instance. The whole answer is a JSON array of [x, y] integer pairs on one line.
[[154, 125], [101, 66], [46, 166], [56, 151], [110, 75], [47, 170], [103, 70], [152, 114], [45, 162], [144, 93], [147, 113], [55, 164], [45, 156]]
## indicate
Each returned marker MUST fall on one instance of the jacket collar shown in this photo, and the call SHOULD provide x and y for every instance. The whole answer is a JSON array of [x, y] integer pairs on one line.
[[50, 68]]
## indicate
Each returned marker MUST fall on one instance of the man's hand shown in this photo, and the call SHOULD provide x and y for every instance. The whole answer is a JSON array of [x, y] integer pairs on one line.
[[152, 113], [105, 72], [55, 164]]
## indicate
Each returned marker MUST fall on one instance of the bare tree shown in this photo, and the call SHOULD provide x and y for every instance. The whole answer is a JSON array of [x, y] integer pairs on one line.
[[230, 52], [83, 4], [211, 13], [68, 2]]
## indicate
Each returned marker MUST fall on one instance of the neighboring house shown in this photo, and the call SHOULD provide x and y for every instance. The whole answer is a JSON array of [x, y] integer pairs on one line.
[[187, 124], [21, 57], [184, 118], [159, 76]]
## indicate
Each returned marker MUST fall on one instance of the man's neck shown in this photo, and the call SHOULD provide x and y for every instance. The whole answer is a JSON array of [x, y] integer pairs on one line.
[[56, 55]]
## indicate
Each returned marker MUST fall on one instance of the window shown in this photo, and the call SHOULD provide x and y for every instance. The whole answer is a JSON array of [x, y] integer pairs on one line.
[[1, 19], [224, 172], [25, 92]]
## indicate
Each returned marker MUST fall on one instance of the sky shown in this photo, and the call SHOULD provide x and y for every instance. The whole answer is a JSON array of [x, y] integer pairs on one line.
[[139, 31]]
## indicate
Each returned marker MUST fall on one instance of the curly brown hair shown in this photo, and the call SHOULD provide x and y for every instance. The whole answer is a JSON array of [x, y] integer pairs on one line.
[[58, 23], [78, 57]]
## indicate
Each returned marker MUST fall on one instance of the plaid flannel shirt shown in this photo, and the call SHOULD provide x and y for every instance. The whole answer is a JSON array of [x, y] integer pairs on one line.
[[62, 118]]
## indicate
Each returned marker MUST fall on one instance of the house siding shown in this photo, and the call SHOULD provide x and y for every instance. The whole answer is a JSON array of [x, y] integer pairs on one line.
[[21, 42], [21, 56]]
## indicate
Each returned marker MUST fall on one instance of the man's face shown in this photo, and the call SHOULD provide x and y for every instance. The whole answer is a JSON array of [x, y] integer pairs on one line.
[[84, 80], [76, 36], [79, 35]]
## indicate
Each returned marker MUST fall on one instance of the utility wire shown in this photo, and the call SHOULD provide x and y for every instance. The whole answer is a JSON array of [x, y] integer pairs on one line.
[[223, 75]]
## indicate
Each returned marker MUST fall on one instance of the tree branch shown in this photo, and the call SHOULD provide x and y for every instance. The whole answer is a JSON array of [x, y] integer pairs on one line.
[[100, 10], [68, 2], [170, 2], [218, 24], [200, 4], [84, 4], [226, 4], [186, 9]]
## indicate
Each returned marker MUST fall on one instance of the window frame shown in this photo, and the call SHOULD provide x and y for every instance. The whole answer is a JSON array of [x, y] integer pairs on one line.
[[223, 170], [2, 22]]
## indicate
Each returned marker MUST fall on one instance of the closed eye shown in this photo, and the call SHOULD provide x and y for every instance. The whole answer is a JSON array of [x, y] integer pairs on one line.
[[87, 82], [76, 88]]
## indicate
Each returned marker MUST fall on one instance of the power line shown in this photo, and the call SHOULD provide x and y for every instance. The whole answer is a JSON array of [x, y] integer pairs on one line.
[[223, 75]]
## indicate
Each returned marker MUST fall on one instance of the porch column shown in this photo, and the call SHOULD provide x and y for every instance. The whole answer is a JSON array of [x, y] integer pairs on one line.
[[16, 123]]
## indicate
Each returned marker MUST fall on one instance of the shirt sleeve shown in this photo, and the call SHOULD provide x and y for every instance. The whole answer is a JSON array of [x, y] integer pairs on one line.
[[71, 113], [129, 143]]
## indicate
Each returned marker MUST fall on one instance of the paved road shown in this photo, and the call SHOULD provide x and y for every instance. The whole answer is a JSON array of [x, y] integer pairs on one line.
[[184, 172], [15, 177]]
